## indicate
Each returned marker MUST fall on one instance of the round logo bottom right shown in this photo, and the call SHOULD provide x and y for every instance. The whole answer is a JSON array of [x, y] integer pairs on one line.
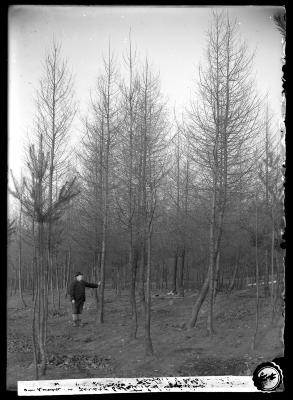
[[267, 376]]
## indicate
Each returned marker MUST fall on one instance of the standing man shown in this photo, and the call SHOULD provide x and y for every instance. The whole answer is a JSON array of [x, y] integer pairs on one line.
[[77, 296]]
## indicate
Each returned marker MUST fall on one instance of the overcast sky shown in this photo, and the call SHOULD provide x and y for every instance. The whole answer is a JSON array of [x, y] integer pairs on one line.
[[172, 37]]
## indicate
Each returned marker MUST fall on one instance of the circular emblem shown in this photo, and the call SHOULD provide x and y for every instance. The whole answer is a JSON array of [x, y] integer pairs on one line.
[[267, 376]]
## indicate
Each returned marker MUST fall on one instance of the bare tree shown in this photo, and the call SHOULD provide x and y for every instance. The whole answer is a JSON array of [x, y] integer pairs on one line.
[[256, 273], [35, 202], [178, 193], [20, 242], [98, 167], [90, 206], [55, 112], [223, 126], [127, 197], [152, 169], [109, 110], [269, 174]]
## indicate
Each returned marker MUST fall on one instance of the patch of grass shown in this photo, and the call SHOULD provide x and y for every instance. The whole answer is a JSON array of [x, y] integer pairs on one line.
[[81, 361]]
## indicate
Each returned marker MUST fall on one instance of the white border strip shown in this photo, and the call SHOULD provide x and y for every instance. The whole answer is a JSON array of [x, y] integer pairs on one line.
[[136, 385]]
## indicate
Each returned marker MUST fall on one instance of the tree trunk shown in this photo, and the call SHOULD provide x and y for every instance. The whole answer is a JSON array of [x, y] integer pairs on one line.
[[102, 286], [68, 272], [266, 277], [33, 278], [256, 277], [174, 274], [232, 283], [142, 277], [118, 279], [272, 262], [133, 268], [113, 276], [96, 271], [210, 327], [277, 292], [181, 274], [20, 259], [51, 280], [20, 281], [148, 341], [162, 275], [42, 302], [217, 274], [125, 275], [199, 301], [57, 285], [187, 284], [212, 256], [34, 328], [64, 275]]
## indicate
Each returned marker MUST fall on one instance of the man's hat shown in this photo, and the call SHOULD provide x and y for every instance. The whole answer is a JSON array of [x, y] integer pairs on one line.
[[78, 273]]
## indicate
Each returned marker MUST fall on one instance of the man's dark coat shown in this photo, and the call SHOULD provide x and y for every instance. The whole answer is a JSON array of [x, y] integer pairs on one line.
[[77, 289]]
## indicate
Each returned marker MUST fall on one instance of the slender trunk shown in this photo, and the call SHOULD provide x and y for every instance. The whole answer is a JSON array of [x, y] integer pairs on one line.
[[51, 280], [105, 211], [210, 326], [212, 263], [272, 262], [222, 279], [143, 189], [256, 277], [142, 276], [133, 267], [20, 281], [57, 285], [42, 302], [199, 301], [174, 276], [165, 276], [162, 275], [217, 274], [277, 292], [232, 283], [187, 284], [113, 277], [216, 182], [125, 276], [20, 258], [266, 281], [118, 274], [266, 277], [96, 271], [102, 276], [68, 272], [148, 341], [64, 274], [181, 274], [34, 328]]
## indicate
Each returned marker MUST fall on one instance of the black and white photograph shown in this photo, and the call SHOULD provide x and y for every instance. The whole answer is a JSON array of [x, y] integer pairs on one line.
[[145, 221]]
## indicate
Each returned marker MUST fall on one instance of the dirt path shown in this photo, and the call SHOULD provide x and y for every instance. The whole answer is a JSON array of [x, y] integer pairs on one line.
[[105, 350]]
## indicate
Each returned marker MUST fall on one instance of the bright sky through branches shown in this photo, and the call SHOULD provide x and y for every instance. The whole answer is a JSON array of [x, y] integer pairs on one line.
[[173, 38]]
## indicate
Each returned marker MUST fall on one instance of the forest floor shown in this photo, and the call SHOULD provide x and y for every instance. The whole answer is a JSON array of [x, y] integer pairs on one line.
[[95, 350]]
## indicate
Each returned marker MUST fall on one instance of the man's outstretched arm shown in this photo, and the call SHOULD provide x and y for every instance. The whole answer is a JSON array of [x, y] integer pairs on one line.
[[92, 285]]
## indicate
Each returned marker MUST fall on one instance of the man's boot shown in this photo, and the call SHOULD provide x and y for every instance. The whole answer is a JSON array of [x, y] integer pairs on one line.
[[80, 324]]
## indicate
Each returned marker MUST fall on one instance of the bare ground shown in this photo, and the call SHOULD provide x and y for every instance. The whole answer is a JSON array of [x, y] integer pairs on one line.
[[105, 350]]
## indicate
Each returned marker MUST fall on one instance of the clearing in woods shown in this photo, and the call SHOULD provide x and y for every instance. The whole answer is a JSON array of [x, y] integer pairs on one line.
[[106, 351]]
